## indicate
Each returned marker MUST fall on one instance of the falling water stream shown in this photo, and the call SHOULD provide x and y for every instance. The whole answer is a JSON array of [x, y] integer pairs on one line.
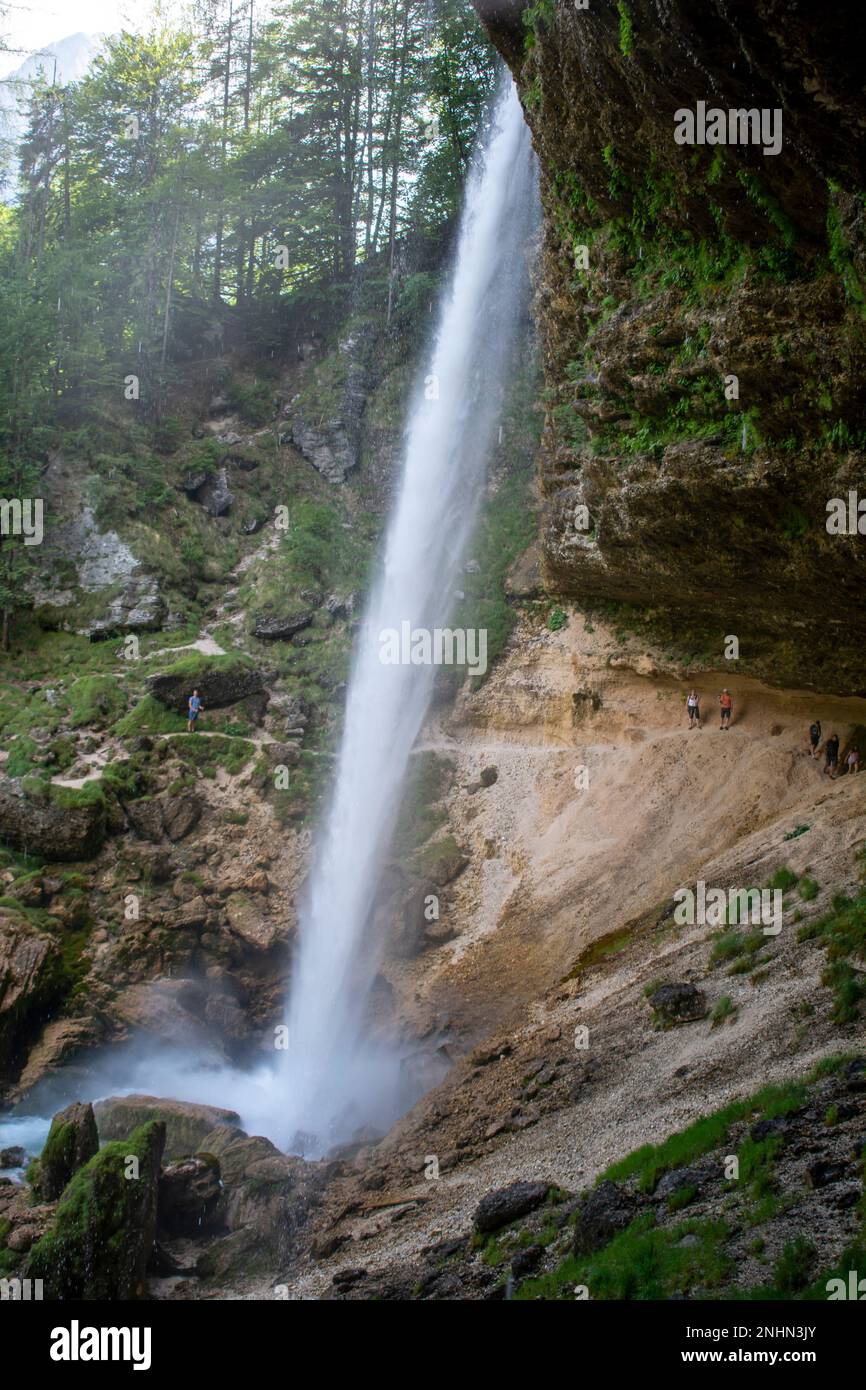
[[334, 1079]]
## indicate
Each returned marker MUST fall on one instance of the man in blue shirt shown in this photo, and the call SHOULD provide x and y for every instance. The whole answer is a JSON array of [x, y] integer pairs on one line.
[[195, 709]]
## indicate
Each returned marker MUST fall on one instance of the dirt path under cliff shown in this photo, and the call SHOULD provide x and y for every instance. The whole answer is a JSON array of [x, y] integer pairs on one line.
[[604, 803]]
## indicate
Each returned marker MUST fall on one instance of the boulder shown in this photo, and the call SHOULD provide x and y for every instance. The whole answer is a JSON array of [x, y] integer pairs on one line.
[[284, 626], [179, 815], [825, 1172], [215, 496], [103, 1231], [193, 483], [186, 1124], [506, 1204], [678, 1003], [188, 1194], [57, 829], [15, 1157], [72, 1141], [154, 816], [221, 682], [145, 817], [605, 1212]]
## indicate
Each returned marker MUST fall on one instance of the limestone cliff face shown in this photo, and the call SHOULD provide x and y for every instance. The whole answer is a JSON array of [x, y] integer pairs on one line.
[[706, 498]]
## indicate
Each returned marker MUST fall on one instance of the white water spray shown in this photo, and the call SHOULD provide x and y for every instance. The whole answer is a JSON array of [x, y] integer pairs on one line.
[[334, 1080]]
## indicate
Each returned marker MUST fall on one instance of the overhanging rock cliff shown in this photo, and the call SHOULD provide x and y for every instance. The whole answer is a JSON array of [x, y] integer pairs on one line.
[[703, 311]]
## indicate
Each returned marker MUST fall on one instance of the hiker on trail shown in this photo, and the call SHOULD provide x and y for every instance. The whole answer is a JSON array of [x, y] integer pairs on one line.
[[831, 751], [853, 760], [694, 709], [726, 706], [195, 709], [815, 737]]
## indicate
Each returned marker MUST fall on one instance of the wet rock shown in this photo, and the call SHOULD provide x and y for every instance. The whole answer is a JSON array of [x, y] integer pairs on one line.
[[103, 1231], [12, 1158], [186, 1124], [189, 1191], [606, 1211], [72, 1141], [507, 1204], [22, 1238], [678, 1003]]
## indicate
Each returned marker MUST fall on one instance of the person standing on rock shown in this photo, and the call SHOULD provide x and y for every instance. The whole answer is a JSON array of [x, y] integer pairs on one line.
[[831, 753], [195, 709], [726, 706], [815, 737], [694, 708], [853, 760]]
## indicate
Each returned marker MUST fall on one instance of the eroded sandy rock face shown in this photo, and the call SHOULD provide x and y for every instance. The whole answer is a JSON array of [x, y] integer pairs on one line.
[[700, 308]]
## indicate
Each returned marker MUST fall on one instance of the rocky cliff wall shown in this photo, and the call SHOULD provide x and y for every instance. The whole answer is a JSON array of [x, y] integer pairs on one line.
[[702, 308]]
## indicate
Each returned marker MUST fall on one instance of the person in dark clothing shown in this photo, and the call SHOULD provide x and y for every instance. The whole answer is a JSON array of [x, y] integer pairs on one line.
[[815, 737], [831, 753]]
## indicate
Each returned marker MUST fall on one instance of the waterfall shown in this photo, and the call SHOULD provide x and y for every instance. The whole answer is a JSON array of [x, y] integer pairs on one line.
[[333, 1079]]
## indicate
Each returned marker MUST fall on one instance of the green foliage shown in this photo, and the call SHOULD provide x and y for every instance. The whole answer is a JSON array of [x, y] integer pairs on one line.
[[556, 620], [148, 716], [91, 1250], [95, 700], [626, 30], [843, 932], [783, 879], [211, 751], [643, 1262]]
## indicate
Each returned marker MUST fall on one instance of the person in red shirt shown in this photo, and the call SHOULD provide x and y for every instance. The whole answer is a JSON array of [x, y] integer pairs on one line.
[[726, 705]]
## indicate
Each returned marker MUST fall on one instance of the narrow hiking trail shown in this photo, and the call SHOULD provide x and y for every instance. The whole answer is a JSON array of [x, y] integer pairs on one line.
[[206, 645], [604, 802]]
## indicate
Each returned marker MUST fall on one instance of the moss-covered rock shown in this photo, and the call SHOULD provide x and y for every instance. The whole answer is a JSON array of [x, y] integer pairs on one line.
[[103, 1231], [51, 821], [221, 680], [72, 1141]]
